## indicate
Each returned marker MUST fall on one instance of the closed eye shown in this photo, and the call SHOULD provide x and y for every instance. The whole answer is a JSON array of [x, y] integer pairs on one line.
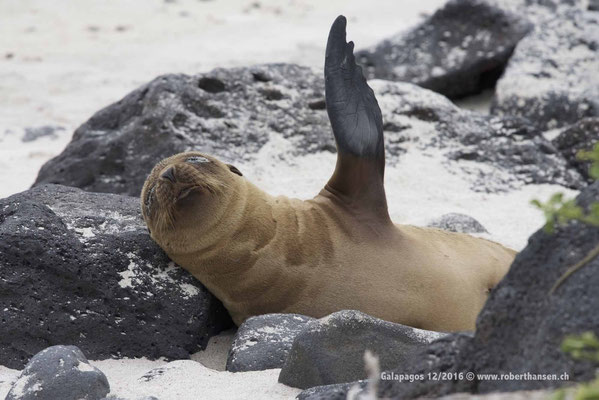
[[197, 160]]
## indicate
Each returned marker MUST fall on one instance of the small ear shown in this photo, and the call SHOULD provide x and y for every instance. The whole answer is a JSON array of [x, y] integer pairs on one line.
[[234, 170]]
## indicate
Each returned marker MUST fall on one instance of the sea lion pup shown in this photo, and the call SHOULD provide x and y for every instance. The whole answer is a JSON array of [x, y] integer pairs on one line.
[[261, 254]]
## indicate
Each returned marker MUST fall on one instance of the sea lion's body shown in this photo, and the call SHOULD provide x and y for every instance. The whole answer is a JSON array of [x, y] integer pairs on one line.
[[262, 254], [315, 257]]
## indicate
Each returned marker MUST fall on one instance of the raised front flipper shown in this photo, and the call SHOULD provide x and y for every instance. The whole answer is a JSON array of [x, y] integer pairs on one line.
[[358, 128]]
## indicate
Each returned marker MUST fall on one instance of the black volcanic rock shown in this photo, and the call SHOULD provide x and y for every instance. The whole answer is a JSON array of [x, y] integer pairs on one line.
[[79, 268], [229, 113], [59, 372], [552, 77], [116, 149], [34, 133], [337, 391], [504, 152], [263, 342], [504, 341], [455, 222], [331, 350], [442, 355], [460, 50], [583, 135]]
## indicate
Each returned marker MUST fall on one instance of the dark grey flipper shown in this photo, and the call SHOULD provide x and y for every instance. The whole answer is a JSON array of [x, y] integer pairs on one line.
[[358, 128]]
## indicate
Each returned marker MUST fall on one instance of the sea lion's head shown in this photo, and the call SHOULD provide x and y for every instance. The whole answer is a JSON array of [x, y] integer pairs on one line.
[[185, 196]]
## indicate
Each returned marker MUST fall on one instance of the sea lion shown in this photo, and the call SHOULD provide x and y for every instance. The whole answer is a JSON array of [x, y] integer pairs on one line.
[[262, 254]]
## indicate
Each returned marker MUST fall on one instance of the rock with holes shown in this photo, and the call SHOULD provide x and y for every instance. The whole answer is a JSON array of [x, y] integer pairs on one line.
[[232, 113], [495, 153], [59, 372], [552, 77], [581, 136], [331, 350], [228, 113], [456, 222], [461, 49], [263, 342], [79, 268]]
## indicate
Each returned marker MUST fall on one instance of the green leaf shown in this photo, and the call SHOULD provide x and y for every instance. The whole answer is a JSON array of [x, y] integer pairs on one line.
[[556, 198], [589, 155], [587, 392], [536, 203], [582, 347], [559, 394], [593, 157]]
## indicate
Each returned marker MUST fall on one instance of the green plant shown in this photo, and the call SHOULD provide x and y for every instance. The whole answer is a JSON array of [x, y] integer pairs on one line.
[[559, 211], [593, 157], [582, 391], [581, 347]]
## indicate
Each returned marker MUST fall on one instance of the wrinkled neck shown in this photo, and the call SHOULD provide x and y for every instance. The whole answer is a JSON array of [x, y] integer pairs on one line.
[[246, 224]]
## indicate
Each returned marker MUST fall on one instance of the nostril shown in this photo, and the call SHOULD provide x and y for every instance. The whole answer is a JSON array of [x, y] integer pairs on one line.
[[169, 174]]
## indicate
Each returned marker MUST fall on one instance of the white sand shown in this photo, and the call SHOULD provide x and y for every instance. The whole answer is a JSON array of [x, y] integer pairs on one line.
[[480, 102], [7, 377], [70, 59], [61, 61], [419, 188], [215, 355], [204, 377], [190, 380]]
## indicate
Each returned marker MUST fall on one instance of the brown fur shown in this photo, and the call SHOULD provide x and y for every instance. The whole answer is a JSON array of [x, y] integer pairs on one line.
[[261, 254]]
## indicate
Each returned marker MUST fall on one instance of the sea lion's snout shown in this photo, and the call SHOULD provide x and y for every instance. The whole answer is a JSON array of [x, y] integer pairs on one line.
[[177, 182], [169, 174]]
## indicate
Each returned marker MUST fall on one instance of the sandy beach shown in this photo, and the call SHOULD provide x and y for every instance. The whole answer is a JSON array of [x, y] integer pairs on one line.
[[62, 61]]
